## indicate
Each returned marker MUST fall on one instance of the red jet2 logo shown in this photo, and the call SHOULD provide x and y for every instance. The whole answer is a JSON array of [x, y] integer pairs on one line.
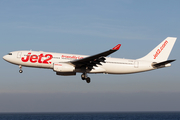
[[161, 48], [35, 58]]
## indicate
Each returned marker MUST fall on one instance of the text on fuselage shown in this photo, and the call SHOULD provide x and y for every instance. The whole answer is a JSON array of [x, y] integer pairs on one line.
[[37, 58]]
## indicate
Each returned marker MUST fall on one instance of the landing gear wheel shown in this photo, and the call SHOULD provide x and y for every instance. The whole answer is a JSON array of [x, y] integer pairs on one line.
[[20, 67], [83, 76], [20, 71], [88, 80]]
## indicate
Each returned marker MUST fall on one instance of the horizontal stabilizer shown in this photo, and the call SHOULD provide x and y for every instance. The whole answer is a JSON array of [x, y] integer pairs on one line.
[[162, 64]]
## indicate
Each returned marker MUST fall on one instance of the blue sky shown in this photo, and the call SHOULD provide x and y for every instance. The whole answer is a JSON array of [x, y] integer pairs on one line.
[[88, 27]]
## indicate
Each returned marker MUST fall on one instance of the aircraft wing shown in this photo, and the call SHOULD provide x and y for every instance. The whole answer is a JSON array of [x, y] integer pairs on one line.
[[94, 59]]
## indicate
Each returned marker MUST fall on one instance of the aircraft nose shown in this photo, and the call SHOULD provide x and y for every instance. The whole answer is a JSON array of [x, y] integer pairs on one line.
[[5, 57]]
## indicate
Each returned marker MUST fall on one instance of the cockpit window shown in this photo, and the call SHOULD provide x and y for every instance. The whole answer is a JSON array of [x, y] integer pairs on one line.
[[9, 53]]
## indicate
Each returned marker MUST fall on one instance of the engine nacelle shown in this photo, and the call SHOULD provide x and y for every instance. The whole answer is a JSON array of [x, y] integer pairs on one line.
[[63, 67], [66, 73]]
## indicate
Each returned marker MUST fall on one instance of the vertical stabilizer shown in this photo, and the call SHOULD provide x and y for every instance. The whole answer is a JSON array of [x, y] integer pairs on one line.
[[161, 52]]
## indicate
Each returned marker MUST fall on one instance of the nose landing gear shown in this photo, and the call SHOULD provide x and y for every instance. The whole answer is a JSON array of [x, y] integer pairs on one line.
[[20, 71], [85, 77]]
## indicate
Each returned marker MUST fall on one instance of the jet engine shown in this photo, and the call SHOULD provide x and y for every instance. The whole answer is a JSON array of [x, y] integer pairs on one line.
[[63, 67]]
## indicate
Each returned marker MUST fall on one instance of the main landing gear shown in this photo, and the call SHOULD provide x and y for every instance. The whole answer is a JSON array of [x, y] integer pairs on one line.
[[85, 77], [20, 71]]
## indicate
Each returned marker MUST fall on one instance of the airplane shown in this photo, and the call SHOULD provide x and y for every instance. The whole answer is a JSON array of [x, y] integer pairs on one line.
[[70, 64]]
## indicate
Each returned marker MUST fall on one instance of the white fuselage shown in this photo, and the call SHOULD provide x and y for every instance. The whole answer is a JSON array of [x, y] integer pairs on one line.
[[42, 59], [70, 64]]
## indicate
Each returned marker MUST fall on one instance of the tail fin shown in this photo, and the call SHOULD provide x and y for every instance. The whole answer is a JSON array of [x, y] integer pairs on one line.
[[161, 52]]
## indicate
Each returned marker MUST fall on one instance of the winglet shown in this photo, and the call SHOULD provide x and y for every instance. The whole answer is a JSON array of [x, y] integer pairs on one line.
[[117, 47]]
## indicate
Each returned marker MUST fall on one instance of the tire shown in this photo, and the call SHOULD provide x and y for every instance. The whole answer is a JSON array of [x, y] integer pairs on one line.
[[20, 71], [83, 77], [88, 80]]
